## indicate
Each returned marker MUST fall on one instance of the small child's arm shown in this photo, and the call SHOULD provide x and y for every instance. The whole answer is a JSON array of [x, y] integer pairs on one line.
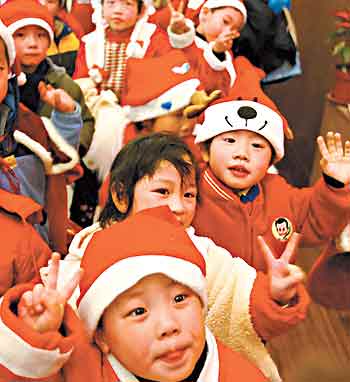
[[30, 319]]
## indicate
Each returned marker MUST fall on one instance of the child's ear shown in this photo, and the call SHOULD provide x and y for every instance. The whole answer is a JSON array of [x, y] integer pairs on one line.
[[100, 341], [120, 199], [204, 148]]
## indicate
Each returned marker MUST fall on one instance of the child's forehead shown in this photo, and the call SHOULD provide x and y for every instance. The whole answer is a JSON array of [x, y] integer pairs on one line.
[[243, 133], [165, 168], [31, 28]]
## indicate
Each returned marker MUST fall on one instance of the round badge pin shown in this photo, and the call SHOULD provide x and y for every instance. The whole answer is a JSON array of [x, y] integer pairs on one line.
[[282, 228]]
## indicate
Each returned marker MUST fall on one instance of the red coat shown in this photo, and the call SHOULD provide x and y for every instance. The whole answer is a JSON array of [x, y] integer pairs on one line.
[[35, 131], [319, 213], [23, 251], [85, 362]]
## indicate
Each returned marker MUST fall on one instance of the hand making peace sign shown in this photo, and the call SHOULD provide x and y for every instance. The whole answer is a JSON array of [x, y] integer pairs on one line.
[[43, 307]]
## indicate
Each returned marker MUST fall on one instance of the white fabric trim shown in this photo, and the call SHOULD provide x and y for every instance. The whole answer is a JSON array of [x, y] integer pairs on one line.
[[210, 371], [211, 4], [223, 117], [24, 360], [179, 96], [213, 61], [181, 41], [126, 273], [31, 21], [10, 44], [44, 155]]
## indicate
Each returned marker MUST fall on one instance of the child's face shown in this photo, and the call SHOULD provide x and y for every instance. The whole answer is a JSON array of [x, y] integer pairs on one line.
[[4, 71], [32, 43], [223, 20], [156, 329], [239, 158], [175, 123], [120, 14], [53, 6], [166, 188]]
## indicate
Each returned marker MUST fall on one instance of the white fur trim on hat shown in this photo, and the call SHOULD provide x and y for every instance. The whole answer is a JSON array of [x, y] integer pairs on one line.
[[6, 35], [243, 115], [174, 99], [31, 21], [125, 273], [211, 4]]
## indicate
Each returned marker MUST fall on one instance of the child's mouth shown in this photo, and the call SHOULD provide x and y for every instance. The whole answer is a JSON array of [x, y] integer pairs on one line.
[[239, 171], [173, 356]]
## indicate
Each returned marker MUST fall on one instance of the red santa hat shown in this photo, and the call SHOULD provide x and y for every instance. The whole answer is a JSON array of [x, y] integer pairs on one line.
[[159, 85], [246, 108], [6, 36], [194, 6], [149, 242], [16, 14]]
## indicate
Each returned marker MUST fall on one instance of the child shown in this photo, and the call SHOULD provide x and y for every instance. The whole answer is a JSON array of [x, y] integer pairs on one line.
[[148, 324], [159, 169], [240, 140], [67, 31], [41, 162], [33, 30], [208, 44]]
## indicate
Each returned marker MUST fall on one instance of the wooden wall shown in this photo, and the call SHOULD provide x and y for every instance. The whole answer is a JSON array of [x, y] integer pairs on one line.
[[301, 98]]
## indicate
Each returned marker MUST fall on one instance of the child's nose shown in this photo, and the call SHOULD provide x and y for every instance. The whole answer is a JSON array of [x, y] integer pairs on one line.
[[31, 39], [168, 325], [176, 204]]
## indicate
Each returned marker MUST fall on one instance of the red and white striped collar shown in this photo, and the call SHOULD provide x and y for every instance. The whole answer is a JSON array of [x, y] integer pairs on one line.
[[217, 186]]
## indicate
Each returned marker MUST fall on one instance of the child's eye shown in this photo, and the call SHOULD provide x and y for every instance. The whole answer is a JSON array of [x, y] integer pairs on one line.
[[18, 34], [190, 195], [162, 191], [258, 145], [180, 298], [229, 140], [137, 312]]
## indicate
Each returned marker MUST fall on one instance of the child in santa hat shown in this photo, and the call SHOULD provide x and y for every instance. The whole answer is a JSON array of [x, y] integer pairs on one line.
[[159, 169], [67, 30], [42, 161], [32, 28], [207, 43], [143, 304], [240, 139]]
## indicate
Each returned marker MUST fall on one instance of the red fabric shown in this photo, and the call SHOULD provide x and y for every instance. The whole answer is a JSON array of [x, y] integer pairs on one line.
[[56, 193], [72, 22], [83, 13], [114, 249], [328, 280], [270, 319], [23, 251], [319, 213]]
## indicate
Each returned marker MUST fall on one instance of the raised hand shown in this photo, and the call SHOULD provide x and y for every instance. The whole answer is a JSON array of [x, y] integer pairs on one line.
[[177, 19], [335, 160], [43, 307], [224, 41], [284, 277], [59, 99]]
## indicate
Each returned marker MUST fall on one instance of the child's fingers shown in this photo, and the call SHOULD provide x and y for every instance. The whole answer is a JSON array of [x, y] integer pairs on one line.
[[38, 292], [53, 271], [338, 145], [27, 299], [331, 143], [180, 9], [291, 247], [323, 148], [347, 149], [171, 7], [71, 285], [266, 251]]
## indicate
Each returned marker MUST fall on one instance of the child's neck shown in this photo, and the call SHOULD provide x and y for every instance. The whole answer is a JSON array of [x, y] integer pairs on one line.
[[119, 35]]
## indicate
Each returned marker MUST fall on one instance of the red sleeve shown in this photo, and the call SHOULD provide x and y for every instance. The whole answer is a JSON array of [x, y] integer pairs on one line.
[[159, 44], [33, 254], [270, 319], [81, 69]]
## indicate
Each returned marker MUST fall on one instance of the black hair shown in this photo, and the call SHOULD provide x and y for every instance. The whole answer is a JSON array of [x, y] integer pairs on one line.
[[6, 52], [141, 157], [139, 5]]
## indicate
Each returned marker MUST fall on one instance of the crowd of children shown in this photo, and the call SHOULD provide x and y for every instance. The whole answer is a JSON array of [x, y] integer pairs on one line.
[[186, 268]]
